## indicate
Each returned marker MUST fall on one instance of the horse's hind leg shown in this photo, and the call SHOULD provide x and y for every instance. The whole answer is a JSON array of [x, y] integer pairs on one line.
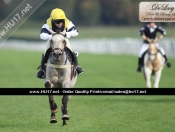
[[64, 109], [53, 105]]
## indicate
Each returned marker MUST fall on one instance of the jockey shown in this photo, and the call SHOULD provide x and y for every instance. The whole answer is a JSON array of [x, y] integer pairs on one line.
[[149, 31], [57, 23]]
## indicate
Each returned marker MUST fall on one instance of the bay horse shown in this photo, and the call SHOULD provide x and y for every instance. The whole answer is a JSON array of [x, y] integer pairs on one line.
[[59, 74], [153, 64]]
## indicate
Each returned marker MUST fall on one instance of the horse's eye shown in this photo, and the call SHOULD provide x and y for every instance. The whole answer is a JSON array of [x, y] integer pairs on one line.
[[64, 42]]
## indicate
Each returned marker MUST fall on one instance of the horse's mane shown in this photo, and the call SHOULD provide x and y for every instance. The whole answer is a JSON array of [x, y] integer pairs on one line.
[[57, 34]]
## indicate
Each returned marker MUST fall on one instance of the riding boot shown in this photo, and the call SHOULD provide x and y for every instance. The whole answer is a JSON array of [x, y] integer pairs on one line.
[[140, 64], [41, 71], [166, 61], [78, 68]]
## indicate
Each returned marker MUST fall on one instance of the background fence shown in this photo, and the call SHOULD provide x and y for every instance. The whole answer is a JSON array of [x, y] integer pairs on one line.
[[129, 46]]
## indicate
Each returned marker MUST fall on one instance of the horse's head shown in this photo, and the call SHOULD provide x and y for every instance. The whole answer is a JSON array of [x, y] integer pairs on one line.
[[152, 49], [58, 46]]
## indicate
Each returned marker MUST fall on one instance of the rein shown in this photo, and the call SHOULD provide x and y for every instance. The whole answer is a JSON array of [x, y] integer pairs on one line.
[[58, 33]]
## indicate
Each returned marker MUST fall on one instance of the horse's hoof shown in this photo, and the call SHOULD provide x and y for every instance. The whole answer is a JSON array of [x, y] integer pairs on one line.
[[53, 120], [65, 117]]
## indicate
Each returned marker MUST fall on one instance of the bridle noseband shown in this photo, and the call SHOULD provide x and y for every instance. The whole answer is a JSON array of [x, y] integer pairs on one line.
[[62, 50]]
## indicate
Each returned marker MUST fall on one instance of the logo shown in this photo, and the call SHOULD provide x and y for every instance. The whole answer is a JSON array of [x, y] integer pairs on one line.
[[157, 11]]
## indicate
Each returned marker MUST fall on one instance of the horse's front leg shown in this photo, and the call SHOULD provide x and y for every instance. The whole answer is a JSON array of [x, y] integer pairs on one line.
[[148, 77], [64, 109], [53, 105]]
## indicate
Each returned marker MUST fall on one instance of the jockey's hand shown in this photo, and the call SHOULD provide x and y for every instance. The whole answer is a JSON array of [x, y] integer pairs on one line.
[[161, 37], [52, 32], [63, 33]]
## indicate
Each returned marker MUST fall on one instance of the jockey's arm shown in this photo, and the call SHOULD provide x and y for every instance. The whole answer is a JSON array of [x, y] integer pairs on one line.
[[45, 36], [162, 31], [143, 36], [45, 33], [71, 30], [142, 33]]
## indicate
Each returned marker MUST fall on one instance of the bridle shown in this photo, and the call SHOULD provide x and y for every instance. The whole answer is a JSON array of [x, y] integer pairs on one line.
[[154, 54], [62, 50], [60, 54]]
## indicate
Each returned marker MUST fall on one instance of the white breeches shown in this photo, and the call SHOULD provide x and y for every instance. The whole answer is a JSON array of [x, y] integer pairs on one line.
[[48, 45], [145, 47]]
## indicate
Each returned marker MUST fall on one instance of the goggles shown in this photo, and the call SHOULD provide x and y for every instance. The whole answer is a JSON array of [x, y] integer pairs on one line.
[[58, 21]]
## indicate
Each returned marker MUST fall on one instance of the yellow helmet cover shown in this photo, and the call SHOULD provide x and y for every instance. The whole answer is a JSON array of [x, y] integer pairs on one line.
[[57, 14]]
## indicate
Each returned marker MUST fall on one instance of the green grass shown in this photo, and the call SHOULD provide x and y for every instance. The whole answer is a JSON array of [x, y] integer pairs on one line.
[[117, 71], [19, 68], [87, 113]]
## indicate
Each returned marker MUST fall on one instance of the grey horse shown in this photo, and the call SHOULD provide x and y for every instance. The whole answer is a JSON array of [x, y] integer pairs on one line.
[[60, 73]]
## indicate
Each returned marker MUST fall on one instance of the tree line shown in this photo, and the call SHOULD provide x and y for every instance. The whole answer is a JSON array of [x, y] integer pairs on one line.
[[84, 12]]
